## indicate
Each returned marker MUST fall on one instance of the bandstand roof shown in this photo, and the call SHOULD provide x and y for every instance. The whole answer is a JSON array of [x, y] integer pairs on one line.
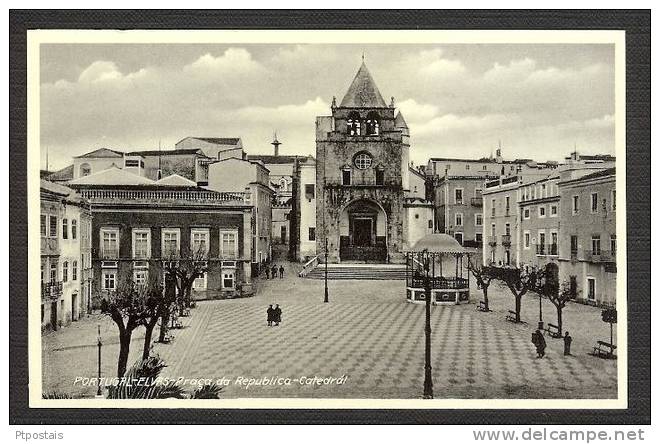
[[438, 243]]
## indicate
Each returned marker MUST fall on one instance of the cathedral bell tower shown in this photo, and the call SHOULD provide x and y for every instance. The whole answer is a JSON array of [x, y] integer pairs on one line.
[[362, 152]]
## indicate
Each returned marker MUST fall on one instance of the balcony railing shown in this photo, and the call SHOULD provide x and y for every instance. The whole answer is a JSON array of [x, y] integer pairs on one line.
[[506, 240], [110, 253], [599, 256], [360, 182], [159, 195], [477, 202], [492, 241], [51, 290], [438, 282], [540, 249]]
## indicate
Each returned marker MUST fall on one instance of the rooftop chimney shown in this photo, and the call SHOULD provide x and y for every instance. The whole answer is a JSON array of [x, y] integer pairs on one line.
[[276, 143]]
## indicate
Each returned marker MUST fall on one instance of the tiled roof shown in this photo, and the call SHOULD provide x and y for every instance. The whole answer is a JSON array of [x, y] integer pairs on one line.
[[112, 176], [64, 174], [102, 152], [220, 140], [363, 92], [600, 173], [165, 152], [55, 188], [176, 180]]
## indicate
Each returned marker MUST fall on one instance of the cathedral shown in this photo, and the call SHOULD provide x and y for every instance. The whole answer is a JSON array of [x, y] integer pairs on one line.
[[371, 205]]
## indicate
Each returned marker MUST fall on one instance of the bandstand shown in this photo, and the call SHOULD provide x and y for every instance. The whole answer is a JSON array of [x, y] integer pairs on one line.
[[443, 261]]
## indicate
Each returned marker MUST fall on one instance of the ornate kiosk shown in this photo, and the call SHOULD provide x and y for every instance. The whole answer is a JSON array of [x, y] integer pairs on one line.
[[439, 261]]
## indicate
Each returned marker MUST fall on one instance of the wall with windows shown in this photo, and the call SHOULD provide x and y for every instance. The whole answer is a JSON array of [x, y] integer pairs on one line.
[[63, 220], [501, 220], [304, 211], [588, 238], [131, 244], [459, 208]]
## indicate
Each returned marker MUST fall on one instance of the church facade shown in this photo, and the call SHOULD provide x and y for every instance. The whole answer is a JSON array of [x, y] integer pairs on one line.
[[365, 210]]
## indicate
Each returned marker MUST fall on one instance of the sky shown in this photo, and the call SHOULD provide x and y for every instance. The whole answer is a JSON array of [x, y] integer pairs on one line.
[[537, 101]]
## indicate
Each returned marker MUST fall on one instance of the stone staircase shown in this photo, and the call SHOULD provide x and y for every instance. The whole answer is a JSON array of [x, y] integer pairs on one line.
[[359, 272]]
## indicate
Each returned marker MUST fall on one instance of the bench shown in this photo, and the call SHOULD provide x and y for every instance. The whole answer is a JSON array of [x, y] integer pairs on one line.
[[604, 349], [482, 306], [511, 317], [553, 330]]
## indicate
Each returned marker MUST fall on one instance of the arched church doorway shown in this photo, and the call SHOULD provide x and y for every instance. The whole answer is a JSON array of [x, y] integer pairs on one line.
[[362, 230]]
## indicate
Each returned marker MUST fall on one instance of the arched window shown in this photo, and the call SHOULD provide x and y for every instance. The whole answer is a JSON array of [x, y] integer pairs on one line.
[[373, 122], [353, 124], [85, 170], [283, 184]]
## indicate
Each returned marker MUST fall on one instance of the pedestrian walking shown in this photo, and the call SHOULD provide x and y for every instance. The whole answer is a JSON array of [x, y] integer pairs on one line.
[[270, 315], [567, 344], [281, 271], [267, 272], [273, 272], [539, 341], [277, 315]]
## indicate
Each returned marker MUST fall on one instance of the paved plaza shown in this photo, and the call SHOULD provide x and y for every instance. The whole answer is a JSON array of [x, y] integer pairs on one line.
[[367, 333]]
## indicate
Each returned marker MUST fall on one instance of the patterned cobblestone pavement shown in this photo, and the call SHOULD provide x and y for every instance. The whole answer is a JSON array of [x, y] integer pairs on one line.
[[366, 333]]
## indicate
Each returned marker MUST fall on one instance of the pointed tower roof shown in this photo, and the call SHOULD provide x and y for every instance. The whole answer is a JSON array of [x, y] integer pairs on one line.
[[399, 121], [363, 92]]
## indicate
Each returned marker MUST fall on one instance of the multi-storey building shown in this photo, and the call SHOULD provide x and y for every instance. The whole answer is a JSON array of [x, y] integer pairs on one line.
[[139, 223], [280, 168], [302, 245], [501, 221], [486, 166], [588, 240], [539, 221], [238, 174], [458, 204], [65, 219]]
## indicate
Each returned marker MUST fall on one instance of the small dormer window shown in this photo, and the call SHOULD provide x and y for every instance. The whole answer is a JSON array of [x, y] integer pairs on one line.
[[283, 184], [85, 170]]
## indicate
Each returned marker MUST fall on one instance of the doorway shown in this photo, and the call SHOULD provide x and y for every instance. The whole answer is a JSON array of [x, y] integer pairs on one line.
[[74, 307], [53, 315], [362, 231]]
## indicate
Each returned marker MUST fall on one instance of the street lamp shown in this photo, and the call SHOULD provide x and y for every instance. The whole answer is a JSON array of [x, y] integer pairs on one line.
[[325, 298], [99, 344], [428, 382]]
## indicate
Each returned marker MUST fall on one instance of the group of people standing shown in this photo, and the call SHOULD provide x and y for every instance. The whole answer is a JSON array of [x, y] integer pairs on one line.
[[272, 271], [539, 342], [274, 315]]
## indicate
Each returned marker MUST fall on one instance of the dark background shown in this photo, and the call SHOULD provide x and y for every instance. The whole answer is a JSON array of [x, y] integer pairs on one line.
[[636, 23]]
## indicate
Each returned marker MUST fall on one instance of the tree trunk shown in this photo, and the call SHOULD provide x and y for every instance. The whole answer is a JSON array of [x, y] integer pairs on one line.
[[124, 348], [164, 320], [149, 329], [559, 319], [485, 290], [518, 306]]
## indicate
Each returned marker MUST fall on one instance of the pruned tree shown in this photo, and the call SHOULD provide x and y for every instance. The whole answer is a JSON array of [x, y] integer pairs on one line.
[[184, 270], [157, 304], [128, 307], [559, 298], [483, 274], [519, 281]]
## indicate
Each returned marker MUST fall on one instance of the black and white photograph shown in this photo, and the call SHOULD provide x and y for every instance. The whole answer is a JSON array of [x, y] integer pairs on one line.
[[369, 219]]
